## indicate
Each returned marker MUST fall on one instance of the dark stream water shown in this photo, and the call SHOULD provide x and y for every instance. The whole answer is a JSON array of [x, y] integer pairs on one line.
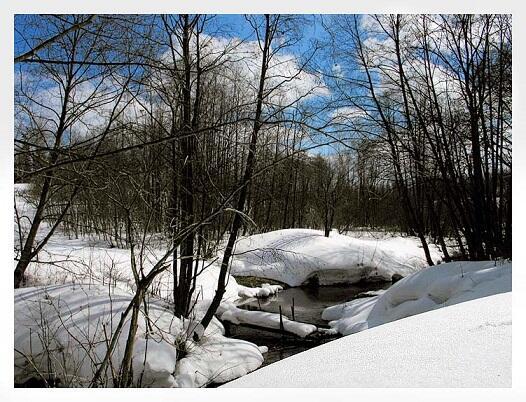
[[309, 303]]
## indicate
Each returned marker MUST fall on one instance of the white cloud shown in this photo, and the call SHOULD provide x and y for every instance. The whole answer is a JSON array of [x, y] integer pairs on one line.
[[237, 74], [345, 114], [240, 63], [89, 106]]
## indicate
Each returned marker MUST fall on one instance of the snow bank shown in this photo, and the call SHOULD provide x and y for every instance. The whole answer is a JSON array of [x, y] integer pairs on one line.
[[466, 345], [265, 290], [62, 332], [65, 329], [218, 359], [74, 261], [77, 261], [294, 256], [371, 293], [229, 312], [432, 288], [88, 272], [64, 260], [84, 260]]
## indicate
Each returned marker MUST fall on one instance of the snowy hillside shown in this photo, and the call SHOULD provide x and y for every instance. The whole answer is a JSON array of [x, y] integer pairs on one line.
[[465, 345], [294, 256]]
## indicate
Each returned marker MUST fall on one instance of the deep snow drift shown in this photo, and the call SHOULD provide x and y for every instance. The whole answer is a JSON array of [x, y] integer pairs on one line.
[[465, 345], [434, 287], [66, 329], [294, 256]]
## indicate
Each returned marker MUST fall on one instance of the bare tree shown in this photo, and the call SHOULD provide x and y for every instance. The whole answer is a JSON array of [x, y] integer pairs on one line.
[[52, 131], [428, 91]]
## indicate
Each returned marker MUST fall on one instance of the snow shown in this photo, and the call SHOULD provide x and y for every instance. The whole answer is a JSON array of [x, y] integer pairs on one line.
[[217, 360], [371, 293], [293, 256], [84, 283], [432, 288], [79, 261], [64, 324], [265, 290], [465, 345], [85, 260], [92, 261], [64, 329], [229, 312]]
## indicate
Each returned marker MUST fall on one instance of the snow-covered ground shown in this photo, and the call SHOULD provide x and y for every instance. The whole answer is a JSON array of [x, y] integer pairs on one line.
[[66, 329], [64, 260], [84, 285], [293, 256], [465, 345], [434, 287]]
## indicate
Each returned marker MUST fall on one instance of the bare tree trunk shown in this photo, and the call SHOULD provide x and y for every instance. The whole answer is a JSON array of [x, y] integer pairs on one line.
[[249, 167]]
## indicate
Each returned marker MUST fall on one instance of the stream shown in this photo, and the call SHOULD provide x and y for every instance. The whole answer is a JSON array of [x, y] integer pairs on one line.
[[309, 303]]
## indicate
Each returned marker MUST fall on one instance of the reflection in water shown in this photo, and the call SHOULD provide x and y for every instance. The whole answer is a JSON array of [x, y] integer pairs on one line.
[[279, 347], [309, 303]]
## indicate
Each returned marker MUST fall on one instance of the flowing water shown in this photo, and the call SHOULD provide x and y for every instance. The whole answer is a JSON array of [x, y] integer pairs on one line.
[[309, 303]]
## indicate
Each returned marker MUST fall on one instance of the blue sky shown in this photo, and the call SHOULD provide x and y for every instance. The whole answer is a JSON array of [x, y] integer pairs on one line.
[[226, 25], [309, 29]]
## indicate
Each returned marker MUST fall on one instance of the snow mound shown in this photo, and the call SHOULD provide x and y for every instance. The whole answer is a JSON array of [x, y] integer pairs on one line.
[[295, 256], [265, 290], [231, 313], [62, 333], [432, 288], [217, 360], [465, 345], [77, 261]]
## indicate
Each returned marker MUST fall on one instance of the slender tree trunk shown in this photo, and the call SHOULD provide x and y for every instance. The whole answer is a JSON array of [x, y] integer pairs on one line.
[[188, 149], [249, 167]]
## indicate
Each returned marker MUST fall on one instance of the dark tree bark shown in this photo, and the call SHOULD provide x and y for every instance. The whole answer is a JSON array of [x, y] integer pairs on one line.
[[270, 29]]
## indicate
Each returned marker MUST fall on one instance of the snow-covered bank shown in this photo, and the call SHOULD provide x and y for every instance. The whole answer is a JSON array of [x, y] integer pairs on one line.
[[80, 261], [294, 256], [465, 345], [265, 290], [229, 312], [68, 325], [435, 287], [62, 332]]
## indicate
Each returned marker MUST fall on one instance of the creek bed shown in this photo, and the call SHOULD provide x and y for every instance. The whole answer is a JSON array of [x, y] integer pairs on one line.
[[309, 303]]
